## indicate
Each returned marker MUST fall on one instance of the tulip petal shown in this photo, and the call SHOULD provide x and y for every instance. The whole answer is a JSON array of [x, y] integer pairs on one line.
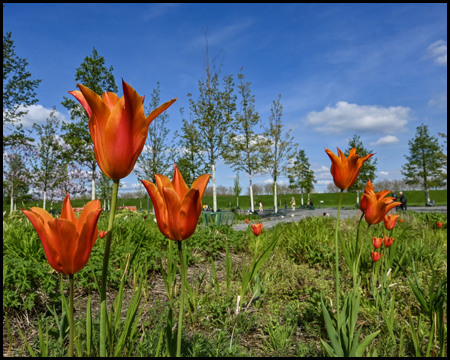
[[80, 97], [39, 224], [64, 233], [88, 208], [163, 182], [173, 207], [158, 111], [98, 108], [159, 206], [88, 236], [191, 208], [110, 99], [201, 182], [179, 184], [67, 211]]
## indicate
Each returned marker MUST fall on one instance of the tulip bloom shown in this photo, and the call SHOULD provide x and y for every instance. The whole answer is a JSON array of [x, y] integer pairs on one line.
[[177, 208], [345, 170], [390, 221], [247, 221], [102, 234], [388, 241], [401, 220], [118, 127], [377, 242], [257, 229], [369, 187], [68, 240], [376, 256], [376, 209], [439, 224]]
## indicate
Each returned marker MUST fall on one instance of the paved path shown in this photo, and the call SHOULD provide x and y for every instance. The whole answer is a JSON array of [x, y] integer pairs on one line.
[[302, 213]]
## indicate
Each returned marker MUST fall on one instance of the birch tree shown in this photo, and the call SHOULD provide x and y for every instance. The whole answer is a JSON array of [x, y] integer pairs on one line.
[[301, 175], [213, 116], [281, 150], [245, 148]]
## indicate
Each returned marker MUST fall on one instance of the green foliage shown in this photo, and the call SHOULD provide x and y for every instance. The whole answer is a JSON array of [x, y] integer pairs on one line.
[[425, 163]]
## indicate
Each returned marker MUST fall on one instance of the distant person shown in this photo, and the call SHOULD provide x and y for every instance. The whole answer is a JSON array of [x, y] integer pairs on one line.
[[285, 206], [394, 195], [310, 203], [403, 200], [292, 203], [260, 207]]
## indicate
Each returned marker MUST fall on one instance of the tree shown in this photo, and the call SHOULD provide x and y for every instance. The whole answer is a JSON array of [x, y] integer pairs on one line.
[[16, 174], [300, 174], [368, 169], [237, 189], [424, 161], [47, 165], [331, 188], [19, 91], [189, 161], [213, 116], [443, 155], [245, 147], [277, 156], [157, 155], [93, 74]]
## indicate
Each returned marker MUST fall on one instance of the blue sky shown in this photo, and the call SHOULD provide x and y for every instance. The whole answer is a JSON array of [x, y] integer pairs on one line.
[[376, 70]]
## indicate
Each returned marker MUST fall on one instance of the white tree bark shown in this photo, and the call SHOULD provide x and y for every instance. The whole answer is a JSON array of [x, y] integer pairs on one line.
[[357, 197], [11, 207], [93, 190], [214, 187], [251, 193], [275, 197], [45, 199]]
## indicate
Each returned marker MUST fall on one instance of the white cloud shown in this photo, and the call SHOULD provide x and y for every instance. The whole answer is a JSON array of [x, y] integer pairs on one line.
[[438, 51], [439, 101], [386, 140], [37, 114], [359, 118], [384, 173]]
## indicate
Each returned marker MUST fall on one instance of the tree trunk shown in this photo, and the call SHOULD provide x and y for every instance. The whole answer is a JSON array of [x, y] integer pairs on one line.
[[237, 201], [251, 192], [275, 197], [357, 197], [45, 199], [302, 197], [213, 167], [93, 189], [11, 208]]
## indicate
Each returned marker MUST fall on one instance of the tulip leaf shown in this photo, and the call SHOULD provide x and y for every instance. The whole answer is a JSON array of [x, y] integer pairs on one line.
[[365, 343]]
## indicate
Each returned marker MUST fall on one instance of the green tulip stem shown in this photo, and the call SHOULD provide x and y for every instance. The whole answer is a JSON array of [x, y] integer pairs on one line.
[[183, 280], [103, 310], [71, 322], [337, 261]]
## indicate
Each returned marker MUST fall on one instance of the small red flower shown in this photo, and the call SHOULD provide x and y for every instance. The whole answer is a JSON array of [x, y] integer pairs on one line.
[[376, 256], [324, 214], [377, 242], [439, 224], [247, 220], [390, 221], [401, 220], [102, 234], [257, 229], [388, 241]]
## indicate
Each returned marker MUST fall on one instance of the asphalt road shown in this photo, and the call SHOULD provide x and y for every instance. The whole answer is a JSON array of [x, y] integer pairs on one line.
[[299, 214]]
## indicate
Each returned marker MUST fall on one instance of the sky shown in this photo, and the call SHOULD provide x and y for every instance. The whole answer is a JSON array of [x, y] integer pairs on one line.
[[375, 70]]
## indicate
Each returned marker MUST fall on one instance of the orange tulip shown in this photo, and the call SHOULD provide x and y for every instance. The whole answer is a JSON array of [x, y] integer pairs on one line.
[[369, 187], [390, 221], [439, 224], [118, 127], [102, 234], [177, 208], [376, 209], [388, 241], [377, 242], [247, 221], [257, 229], [68, 240], [376, 256], [401, 220], [345, 170]]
